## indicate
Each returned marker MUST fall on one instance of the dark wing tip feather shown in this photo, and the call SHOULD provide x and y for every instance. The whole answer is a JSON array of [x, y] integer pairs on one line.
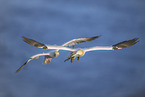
[[93, 38], [80, 40], [22, 66], [85, 40], [34, 43], [125, 44]]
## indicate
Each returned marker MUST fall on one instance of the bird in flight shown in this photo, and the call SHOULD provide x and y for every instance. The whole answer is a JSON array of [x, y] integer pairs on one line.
[[74, 52], [55, 53], [77, 53]]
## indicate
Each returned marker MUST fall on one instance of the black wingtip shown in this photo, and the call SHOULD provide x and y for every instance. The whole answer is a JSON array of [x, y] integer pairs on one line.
[[125, 44], [34, 43], [27, 40], [21, 67], [23, 37], [97, 36], [93, 38]]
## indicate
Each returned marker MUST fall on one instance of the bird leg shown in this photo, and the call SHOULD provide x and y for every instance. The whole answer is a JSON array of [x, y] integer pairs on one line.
[[67, 59], [71, 56], [78, 58], [72, 60]]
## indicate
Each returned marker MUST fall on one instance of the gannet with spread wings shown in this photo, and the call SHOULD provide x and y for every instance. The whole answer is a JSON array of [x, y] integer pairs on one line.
[[81, 52], [55, 53]]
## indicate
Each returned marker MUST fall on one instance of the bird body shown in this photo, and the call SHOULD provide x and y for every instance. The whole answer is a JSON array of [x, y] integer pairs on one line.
[[48, 58], [121, 45]]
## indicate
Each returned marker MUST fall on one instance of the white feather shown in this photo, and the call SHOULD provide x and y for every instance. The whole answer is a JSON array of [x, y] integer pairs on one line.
[[98, 48]]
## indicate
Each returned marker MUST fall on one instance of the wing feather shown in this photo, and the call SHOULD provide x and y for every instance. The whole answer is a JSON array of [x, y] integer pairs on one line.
[[125, 44], [120, 45], [34, 43], [54, 47], [31, 58], [79, 40], [98, 48]]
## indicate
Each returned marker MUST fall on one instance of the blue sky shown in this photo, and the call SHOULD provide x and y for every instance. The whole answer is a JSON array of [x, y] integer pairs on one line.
[[119, 73]]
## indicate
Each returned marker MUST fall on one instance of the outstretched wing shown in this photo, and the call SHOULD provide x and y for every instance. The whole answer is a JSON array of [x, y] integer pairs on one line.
[[63, 47], [125, 44], [120, 45], [40, 45], [79, 40], [34, 43], [33, 57]]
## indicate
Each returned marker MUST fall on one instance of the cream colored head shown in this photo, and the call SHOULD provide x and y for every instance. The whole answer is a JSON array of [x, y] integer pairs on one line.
[[56, 54], [80, 53]]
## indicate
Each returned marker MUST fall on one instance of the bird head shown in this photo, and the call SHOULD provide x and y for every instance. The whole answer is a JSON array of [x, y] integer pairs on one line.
[[56, 54], [74, 54]]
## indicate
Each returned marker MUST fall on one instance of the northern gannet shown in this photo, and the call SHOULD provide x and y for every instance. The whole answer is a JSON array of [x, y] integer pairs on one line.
[[55, 53], [81, 52]]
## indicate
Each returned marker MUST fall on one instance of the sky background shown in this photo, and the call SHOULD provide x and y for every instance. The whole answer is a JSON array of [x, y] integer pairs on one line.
[[119, 73]]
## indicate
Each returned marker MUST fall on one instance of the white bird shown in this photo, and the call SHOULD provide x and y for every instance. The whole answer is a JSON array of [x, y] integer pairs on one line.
[[81, 52], [55, 53], [75, 52]]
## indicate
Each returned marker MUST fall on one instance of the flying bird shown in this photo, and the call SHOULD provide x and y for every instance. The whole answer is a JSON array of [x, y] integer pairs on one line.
[[55, 53], [81, 52], [74, 52]]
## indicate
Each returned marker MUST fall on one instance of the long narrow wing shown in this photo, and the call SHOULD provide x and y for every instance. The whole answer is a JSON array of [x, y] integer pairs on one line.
[[120, 45], [40, 45], [79, 40], [69, 43], [33, 57], [34, 43]]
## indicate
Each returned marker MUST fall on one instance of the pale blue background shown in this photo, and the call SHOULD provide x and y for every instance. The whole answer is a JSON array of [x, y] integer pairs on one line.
[[118, 73]]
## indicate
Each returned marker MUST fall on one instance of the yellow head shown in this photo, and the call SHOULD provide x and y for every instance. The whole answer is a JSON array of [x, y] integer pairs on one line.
[[80, 53], [56, 54]]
